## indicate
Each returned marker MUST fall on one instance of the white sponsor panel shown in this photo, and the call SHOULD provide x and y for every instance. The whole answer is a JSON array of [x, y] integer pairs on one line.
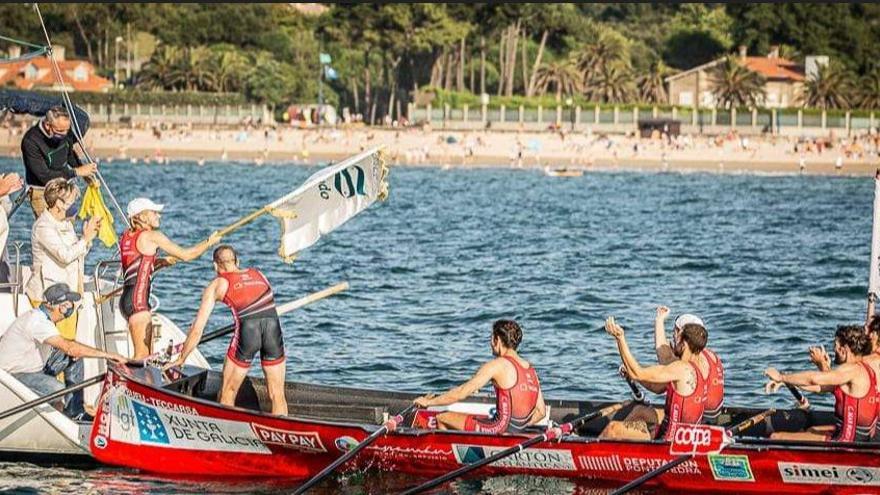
[[555, 459], [625, 464], [829, 474], [135, 422]]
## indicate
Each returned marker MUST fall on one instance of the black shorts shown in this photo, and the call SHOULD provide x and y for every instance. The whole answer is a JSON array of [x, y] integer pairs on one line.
[[134, 299], [257, 333]]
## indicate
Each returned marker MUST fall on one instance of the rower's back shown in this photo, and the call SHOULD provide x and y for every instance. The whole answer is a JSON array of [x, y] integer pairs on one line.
[[686, 399], [520, 392]]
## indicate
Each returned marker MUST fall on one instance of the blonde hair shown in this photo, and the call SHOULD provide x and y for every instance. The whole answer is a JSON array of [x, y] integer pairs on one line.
[[138, 222], [56, 189]]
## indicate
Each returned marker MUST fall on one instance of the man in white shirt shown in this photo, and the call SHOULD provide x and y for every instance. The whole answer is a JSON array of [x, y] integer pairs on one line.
[[34, 352]]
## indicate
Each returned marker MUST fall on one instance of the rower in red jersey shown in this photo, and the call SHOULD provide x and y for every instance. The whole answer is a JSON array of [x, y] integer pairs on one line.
[[708, 358], [853, 383], [257, 328], [684, 381], [519, 402]]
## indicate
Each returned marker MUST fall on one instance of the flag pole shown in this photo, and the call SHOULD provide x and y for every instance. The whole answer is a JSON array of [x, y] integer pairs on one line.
[[874, 272]]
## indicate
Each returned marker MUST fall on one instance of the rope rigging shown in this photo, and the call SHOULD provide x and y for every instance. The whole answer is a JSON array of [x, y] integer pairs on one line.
[[73, 119]]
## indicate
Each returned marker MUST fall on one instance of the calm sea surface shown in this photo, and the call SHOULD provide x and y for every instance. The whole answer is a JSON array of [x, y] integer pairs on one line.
[[772, 263]]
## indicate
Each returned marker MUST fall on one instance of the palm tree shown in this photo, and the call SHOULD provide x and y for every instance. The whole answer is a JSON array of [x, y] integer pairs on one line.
[[230, 68], [157, 72], [561, 75], [869, 90], [830, 88], [193, 70], [612, 84], [652, 85], [609, 48], [737, 86]]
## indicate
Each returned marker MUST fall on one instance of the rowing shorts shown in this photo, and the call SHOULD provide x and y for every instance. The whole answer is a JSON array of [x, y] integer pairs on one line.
[[260, 332], [133, 301]]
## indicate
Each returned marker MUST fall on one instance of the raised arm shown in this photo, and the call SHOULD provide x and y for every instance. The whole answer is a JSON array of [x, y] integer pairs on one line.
[[633, 369], [185, 254], [212, 293], [486, 373], [661, 344]]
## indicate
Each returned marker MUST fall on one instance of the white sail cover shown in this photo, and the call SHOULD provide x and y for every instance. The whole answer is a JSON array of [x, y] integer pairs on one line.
[[328, 199], [874, 276]]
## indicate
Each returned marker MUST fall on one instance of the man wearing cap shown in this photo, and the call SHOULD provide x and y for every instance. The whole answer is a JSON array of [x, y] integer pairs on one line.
[[139, 248], [33, 351], [665, 355]]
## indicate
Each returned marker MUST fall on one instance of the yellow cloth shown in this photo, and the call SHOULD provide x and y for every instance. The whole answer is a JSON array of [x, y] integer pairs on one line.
[[93, 206], [66, 327]]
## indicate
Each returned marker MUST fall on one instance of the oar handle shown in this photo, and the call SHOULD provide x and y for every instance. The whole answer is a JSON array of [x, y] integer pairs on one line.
[[637, 393], [550, 434], [803, 403], [389, 426], [54, 395]]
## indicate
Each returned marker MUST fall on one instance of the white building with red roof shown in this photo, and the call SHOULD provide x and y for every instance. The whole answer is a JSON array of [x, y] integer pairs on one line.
[[784, 80], [37, 73]]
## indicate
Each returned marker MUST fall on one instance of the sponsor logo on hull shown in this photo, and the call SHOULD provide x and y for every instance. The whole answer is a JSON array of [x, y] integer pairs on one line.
[[305, 441], [346, 443], [629, 464], [551, 459], [731, 467], [138, 423], [829, 474]]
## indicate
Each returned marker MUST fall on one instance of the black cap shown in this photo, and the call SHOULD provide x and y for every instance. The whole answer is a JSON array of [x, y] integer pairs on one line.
[[59, 293]]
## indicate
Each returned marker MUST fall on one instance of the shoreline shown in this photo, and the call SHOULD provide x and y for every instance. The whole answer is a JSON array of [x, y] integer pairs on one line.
[[462, 149]]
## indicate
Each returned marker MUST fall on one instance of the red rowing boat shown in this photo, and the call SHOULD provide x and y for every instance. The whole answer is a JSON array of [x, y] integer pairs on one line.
[[178, 428]]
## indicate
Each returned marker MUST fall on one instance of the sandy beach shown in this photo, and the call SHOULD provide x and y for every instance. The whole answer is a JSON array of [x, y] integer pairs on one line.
[[728, 153]]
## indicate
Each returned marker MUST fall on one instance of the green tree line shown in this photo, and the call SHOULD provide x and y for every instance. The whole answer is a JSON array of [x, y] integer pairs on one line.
[[384, 54]]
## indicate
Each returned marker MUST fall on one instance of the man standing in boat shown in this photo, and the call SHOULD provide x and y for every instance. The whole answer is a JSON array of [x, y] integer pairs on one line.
[[33, 335], [257, 328], [684, 380], [519, 402], [139, 248], [665, 355], [47, 151], [853, 383]]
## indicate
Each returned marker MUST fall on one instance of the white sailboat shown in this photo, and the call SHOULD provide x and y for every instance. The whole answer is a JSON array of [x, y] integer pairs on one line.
[[43, 431]]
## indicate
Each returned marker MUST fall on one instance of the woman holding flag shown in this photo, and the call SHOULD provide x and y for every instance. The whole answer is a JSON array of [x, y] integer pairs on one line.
[[58, 253]]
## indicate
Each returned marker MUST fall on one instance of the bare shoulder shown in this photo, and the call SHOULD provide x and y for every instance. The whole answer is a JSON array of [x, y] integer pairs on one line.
[[219, 286]]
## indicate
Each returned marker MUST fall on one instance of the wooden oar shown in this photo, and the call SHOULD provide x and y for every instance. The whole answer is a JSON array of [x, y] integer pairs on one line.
[[389, 426], [641, 480], [284, 308], [550, 434]]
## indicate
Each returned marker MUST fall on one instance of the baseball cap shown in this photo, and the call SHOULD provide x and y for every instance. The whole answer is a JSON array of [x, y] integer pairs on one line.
[[139, 205], [59, 293], [688, 319]]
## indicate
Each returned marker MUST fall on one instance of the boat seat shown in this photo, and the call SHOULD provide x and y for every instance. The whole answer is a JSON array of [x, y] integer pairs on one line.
[[337, 412]]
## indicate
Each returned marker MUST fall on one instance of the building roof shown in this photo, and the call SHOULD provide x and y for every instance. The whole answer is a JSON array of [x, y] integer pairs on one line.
[[79, 75], [775, 68]]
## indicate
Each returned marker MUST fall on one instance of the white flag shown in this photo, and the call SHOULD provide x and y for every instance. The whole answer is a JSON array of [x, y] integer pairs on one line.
[[328, 199]]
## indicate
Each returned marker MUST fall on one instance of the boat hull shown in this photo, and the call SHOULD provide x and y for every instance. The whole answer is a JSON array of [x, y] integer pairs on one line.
[[146, 428], [203, 438]]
